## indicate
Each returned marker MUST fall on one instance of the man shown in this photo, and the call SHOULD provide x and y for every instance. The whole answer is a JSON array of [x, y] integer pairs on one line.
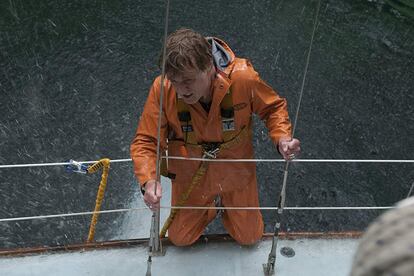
[[209, 99]]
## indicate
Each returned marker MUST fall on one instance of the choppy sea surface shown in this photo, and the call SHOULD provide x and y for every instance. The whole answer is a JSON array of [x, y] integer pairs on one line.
[[74, 76]]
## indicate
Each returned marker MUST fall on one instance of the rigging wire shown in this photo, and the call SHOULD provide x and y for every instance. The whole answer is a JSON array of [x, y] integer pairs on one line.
[[269, 266], [410, 191], [155, 245]]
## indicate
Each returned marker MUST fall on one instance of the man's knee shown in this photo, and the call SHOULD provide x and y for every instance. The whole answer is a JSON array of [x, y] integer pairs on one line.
[[248, 232], [248, 238], [187, 227], [181, 239]]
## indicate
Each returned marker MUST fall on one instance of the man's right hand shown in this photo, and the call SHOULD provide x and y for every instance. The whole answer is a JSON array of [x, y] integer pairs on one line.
[[151, 198]]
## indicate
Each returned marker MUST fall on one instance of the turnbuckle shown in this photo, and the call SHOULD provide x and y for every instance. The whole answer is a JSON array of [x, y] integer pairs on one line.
[[76, 167]]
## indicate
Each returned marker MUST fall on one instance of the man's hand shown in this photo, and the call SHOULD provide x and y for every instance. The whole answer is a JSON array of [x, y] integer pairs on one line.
[[152, 200], [289, 149]]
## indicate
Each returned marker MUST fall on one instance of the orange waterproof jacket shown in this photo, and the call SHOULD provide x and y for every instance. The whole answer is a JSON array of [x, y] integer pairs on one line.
[[249, 94]]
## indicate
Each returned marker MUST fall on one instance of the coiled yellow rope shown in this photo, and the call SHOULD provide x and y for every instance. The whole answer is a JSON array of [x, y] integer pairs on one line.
[[103, 163], [197, 179]]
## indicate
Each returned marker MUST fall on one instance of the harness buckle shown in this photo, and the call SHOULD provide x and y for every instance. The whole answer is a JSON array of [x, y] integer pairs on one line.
[[210, 150]]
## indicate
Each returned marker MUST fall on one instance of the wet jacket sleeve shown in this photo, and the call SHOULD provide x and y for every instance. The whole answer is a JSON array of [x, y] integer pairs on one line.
[[270, 107], [144, 146]]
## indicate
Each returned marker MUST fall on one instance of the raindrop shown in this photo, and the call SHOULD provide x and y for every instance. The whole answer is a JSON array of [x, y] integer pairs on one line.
[[51, 22], [303, 10], [85, 26]]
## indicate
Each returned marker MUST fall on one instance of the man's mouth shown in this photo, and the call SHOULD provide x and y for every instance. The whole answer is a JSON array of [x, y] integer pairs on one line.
[[187, 95]]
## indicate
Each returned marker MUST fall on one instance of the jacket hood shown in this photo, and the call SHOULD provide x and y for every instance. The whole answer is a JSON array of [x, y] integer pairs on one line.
[[223, 56]]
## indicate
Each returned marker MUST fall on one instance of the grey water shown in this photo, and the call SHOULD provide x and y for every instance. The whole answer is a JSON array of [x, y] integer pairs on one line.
[[74, 76]]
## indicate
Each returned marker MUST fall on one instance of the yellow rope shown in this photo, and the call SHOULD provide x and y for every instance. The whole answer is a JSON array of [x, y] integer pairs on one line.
[[196, 179], [184, 196], [103, 163]]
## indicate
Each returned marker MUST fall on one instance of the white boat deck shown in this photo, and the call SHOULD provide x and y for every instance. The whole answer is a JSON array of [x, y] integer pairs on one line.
[[319, 257]]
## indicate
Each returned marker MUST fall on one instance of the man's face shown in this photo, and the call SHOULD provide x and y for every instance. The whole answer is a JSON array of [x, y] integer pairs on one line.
[[191, 85]]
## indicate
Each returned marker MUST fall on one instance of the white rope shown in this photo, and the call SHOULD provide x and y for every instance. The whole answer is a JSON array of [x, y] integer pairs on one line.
[[295, 160], [192, 208], [223, 160], [58, 164]]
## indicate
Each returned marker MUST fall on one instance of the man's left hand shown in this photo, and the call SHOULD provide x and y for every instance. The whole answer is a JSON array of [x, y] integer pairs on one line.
[[289, 149]]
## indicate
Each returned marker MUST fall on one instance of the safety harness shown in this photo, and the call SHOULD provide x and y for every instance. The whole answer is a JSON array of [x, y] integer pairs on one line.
[[231, 137], [227, 119]]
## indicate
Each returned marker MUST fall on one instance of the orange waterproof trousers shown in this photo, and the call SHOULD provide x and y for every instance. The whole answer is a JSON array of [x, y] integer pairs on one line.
[[245, 226]]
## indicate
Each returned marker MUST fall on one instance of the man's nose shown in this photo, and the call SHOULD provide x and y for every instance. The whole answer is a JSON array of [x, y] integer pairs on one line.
[[182, 88]]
